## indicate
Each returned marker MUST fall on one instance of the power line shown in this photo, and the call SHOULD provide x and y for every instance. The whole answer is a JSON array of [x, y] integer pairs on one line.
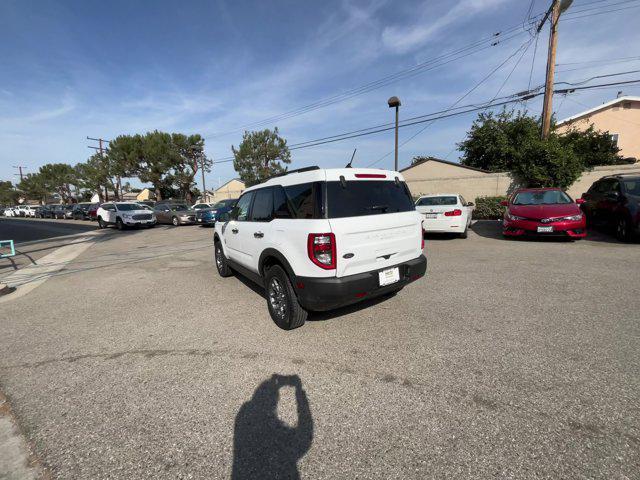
[[597, 61], [599, 13], [598, 76], [467, 94], [573, 11], [475, 47]]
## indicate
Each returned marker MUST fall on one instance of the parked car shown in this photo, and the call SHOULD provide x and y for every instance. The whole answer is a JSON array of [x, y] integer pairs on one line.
[[30, 211], [318, 239], [175, 214], [124, 214], [207, 216], [20, 210], [58, 211], [68, 211], [92, 212], [447, 212], [201, 206], [543, 212], [10, 212], [81, 211], [614, 201], [148, 203]]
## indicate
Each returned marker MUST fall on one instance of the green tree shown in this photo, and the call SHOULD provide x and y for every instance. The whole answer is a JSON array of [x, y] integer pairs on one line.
[[33, 186], [93, 175], [157, 157], [510, 141], [192, 158], [124, 158], [259, 156], [59, 178], [8, 194]]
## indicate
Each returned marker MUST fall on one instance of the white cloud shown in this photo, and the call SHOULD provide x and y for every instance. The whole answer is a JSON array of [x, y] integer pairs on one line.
[[403, 38]]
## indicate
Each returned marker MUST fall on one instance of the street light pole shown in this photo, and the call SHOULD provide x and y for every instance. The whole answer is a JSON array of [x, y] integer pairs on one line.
[[394, 102]]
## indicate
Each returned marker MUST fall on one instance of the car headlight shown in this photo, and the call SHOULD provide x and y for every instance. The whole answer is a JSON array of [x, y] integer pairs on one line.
[[573, 218], [510, 216]]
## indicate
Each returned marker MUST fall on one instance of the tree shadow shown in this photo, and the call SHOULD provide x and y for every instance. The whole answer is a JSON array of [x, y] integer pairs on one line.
[[263, 445]]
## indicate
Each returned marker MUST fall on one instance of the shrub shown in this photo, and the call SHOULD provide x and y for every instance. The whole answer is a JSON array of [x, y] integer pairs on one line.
[[488, 208]]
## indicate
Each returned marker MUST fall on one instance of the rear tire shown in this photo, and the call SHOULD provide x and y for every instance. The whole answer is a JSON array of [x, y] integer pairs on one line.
[[221, 261], [282, 302], [464, 234]]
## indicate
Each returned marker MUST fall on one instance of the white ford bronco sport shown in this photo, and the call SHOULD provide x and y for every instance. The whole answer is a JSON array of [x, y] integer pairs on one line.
[[318, 239]]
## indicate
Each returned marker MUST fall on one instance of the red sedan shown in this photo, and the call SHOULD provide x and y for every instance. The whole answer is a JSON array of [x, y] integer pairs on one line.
[[543, 212]]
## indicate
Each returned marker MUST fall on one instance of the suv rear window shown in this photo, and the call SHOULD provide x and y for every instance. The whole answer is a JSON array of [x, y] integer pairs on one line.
[[372, 197]]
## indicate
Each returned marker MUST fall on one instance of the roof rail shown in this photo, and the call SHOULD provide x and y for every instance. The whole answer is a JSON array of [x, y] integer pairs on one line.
[[297, 170]]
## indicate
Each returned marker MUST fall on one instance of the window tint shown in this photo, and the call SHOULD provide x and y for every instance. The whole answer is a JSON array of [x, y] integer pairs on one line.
[[280, 207], [262, 210], [302, 200], [430, 201], [373, 197], [632, 187], [241, 211]]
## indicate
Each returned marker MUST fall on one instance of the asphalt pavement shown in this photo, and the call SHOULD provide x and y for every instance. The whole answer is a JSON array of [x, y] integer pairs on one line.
[[29, 229], [509, 359]]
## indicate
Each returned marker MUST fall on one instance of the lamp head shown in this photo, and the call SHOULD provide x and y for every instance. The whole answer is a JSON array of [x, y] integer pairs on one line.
[[394, 102]]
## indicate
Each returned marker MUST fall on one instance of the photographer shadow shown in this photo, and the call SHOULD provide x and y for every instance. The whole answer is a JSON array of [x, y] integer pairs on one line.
[[263, 445]]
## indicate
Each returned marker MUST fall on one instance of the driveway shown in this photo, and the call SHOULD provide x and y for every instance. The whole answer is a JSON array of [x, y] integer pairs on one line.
[[510, 359]]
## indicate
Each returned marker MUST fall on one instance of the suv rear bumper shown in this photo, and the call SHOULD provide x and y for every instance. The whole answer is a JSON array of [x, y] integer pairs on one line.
[[322, 294]]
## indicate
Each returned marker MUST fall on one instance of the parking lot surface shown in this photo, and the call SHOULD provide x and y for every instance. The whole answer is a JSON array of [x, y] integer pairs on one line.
[[510, 359]]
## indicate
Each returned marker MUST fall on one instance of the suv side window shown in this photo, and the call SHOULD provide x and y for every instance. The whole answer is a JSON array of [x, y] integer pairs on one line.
[[280, 207], [241, 210], [262, 210], [303, 200]]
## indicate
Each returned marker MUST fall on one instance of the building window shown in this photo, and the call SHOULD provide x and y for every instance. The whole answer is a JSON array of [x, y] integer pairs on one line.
[[626, 105], [614, 138]]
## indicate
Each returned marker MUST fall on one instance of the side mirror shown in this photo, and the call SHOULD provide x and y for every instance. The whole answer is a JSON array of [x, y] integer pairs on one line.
[[470, 204], [504, 203], [580, 201], [615, 196]]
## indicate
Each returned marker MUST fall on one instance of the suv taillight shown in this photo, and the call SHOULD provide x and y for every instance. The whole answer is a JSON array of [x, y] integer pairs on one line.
[[453, 213], [321, 248]]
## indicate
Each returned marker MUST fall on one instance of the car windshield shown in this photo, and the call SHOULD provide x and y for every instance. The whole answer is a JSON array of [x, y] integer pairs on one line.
[[128, 206], [179, 207], [435, 201], [542, 197], [200, 206], [224, 204], [144, 207], [632, 187]]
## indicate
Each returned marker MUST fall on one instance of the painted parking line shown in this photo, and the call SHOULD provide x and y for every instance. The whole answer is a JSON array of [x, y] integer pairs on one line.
[[31, 277]]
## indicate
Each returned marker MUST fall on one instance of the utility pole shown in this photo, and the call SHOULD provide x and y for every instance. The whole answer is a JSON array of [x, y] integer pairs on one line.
[[19, 167], [204, 188], [557, 7], [100, 148]]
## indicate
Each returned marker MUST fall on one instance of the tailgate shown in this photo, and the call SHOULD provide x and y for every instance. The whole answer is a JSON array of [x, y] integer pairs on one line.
[[374, 242]]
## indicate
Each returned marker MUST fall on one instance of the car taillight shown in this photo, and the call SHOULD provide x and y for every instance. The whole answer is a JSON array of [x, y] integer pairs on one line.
[[453, 213], [321, 248], [422, 232]]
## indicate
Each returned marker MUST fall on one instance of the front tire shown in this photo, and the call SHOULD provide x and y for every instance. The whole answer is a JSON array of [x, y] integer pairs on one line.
[[623, 229], [175, 222], [221, 261], [101, 224], [284, 308], [119, 224]]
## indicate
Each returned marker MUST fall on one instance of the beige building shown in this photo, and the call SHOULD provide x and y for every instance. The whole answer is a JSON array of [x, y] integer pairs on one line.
[[433, 175], [232, 189], [619, 117], [145, 194]]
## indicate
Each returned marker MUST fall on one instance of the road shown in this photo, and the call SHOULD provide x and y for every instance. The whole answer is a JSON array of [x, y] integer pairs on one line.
[[28, 229], [510, 359]]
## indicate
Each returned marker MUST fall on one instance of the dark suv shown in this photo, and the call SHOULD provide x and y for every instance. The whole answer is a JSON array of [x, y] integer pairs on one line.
[[614, 201]]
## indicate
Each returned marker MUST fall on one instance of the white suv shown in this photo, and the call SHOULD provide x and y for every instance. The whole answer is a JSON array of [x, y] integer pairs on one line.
[[125, 214], [319, 239]]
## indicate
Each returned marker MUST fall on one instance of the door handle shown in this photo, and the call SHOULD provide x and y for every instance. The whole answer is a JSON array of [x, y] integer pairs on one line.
[[234, 230], [258, 234]]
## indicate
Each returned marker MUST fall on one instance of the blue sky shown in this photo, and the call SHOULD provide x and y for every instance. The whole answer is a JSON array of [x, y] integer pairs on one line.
[[72, 69]]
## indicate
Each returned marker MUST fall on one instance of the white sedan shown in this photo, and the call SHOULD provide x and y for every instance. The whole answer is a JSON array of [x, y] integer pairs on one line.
[[447, 212]]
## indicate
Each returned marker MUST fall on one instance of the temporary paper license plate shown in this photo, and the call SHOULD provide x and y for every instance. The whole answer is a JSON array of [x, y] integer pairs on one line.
[[430, 215], [389, 276], [545, 229]]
